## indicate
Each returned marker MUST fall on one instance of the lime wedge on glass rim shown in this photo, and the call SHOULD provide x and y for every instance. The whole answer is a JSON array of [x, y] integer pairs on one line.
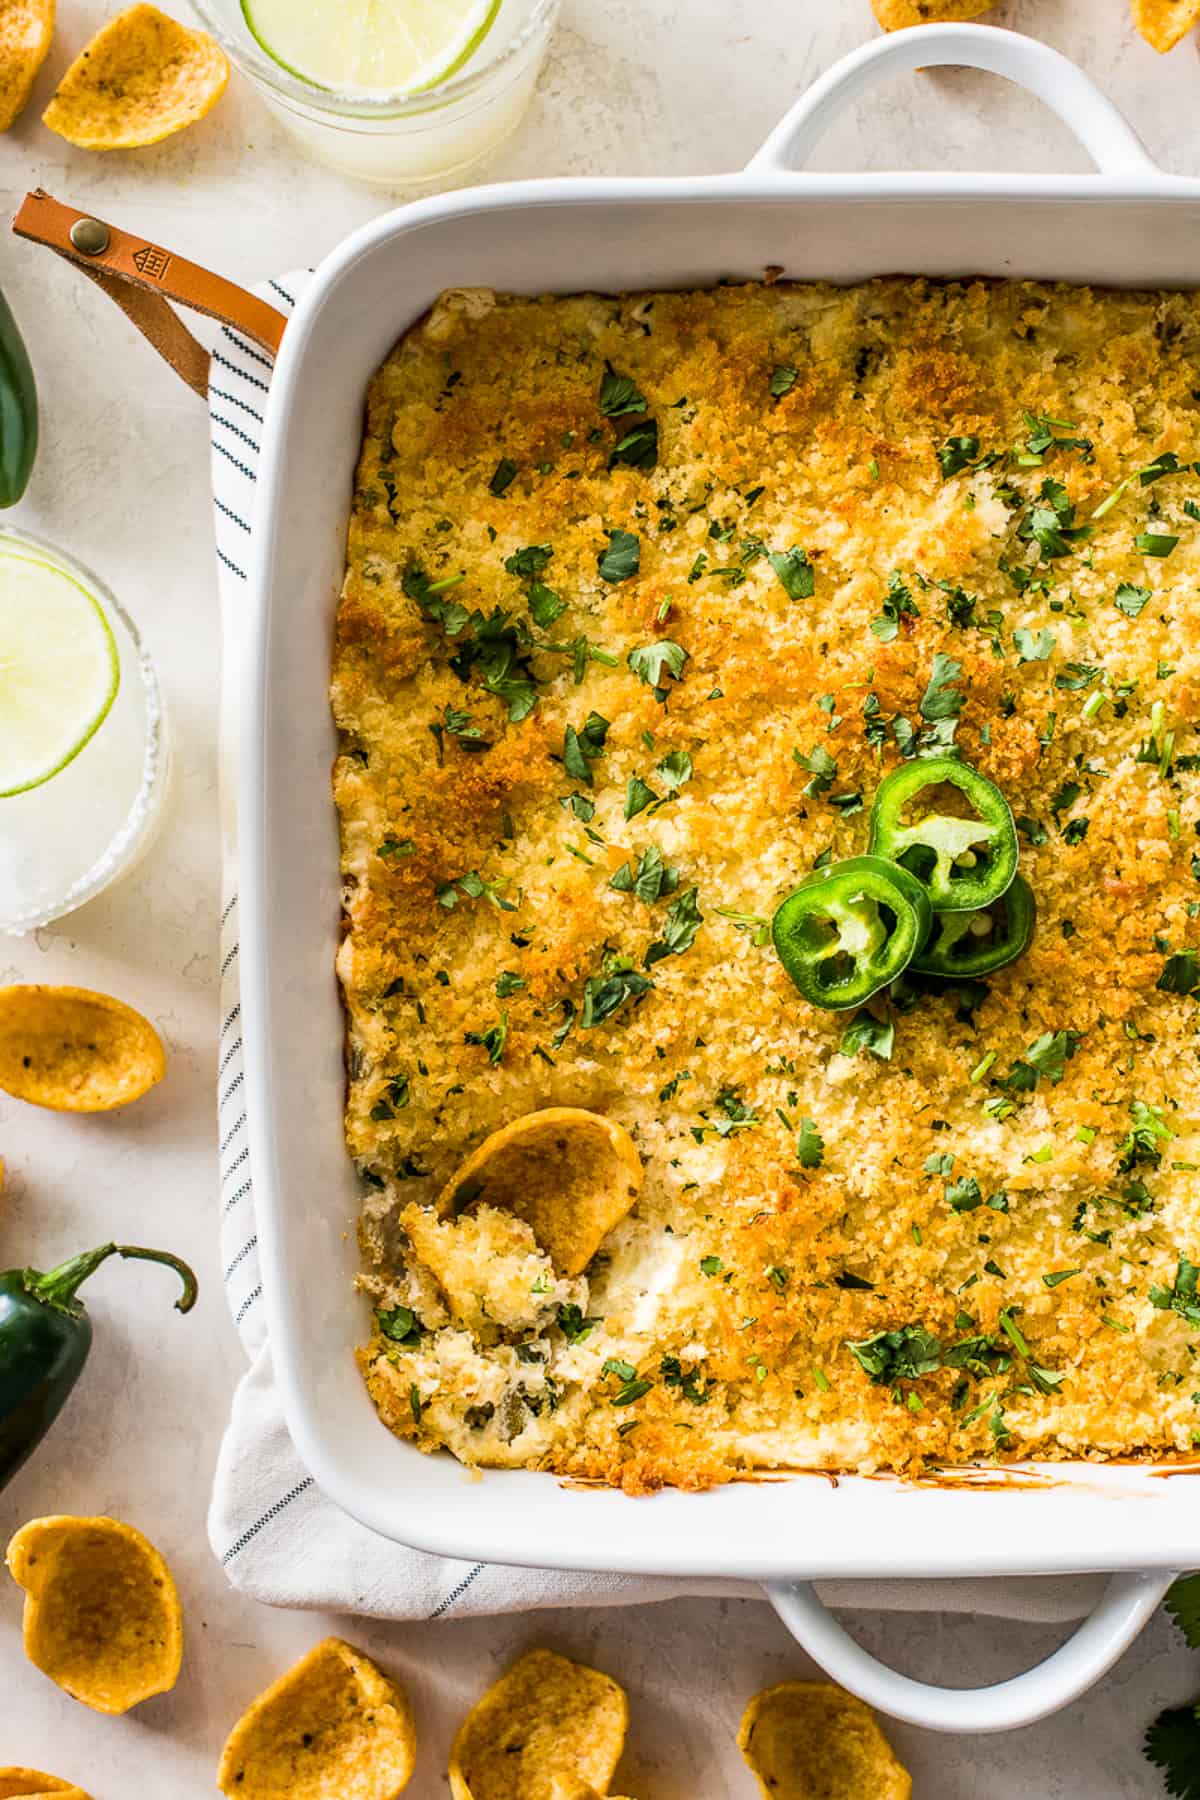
[[371, 46], [59, 671]]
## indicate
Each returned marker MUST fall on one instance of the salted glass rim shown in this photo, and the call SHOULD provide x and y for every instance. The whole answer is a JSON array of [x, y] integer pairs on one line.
[[383, 107]]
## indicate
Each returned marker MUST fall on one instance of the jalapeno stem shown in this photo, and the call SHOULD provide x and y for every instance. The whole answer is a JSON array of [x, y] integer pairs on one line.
[[58, 1287]]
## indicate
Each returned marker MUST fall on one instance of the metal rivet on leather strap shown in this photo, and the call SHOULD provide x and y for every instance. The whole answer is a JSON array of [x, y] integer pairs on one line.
[[91, 236]]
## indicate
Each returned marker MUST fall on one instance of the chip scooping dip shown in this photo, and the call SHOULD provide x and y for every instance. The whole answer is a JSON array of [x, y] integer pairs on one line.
[[31, 1784], [335, 1727], [102, 1613], [1164, 22], [73, 1050], [894, 15], [571, 1175], [548, 1728], [26, 30], [809, 1740], [142, 77]]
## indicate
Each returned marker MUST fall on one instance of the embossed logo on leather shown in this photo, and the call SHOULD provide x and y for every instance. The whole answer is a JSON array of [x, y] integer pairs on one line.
[[151, 262]]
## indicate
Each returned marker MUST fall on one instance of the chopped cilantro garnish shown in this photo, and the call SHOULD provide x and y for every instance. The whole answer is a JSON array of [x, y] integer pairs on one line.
[[675, 769], [1139, 1147], [657, 663], [1048, 1055], [783, 379], [393, 849], [901, 1355], [474, 887], [683, 921], [622, 558], [810, 1145], [530, 561], [508, 982], [1052, 524], [941, 700], [821, 766], [1155, 543], [688, 1383], [582, 747], [957, 454], [866, 1032], [545, 606], [493, 1040], [504, 475], [638, 796], [1033, 646], [711, 1265], [1130, 599], [650, 880], [964, 1195], [1180, 973], [638, 449], [619, 394], [1181, 1296], [400, 1324], [795, 572], [897, 601], [605, 995], [573, 1325]]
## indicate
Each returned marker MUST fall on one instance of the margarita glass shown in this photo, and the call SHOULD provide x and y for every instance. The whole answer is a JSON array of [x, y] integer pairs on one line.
[[398, 138], [82, 734]]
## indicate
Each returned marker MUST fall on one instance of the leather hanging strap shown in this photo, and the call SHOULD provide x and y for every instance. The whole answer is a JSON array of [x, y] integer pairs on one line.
[[142, 277]]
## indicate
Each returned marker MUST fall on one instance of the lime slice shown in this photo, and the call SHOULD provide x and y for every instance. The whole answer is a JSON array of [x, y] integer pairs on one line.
[[371, 46], [59, 671]]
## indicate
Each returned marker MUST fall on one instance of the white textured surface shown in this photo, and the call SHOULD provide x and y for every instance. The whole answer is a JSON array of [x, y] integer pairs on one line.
[[633, 86]]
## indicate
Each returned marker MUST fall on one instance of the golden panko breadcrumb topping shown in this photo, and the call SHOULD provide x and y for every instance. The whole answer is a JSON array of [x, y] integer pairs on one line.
[[644, 597]]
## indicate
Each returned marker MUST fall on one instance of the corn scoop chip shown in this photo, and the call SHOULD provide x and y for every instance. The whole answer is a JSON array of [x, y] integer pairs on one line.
[[102, 1614], [571, 1175], [549, 1729], [335, 1727], [26, 31], [1163, 22], [142, 77], [809, 1740], [31, 1784], [72, 1050], [895, 15]]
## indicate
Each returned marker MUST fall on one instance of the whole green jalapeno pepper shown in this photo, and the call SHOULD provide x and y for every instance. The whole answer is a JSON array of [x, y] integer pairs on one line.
[[45, 1336], [18, 410]]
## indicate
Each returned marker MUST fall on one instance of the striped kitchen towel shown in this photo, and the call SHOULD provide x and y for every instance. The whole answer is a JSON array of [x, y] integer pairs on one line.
[[277, 1537]]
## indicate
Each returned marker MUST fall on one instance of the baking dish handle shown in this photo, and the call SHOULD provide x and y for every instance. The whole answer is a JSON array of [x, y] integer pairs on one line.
[[1125, 1607], [1104, 133], [142, 277]]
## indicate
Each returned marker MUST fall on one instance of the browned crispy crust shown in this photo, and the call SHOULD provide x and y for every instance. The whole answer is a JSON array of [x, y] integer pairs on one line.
[[845, 464]]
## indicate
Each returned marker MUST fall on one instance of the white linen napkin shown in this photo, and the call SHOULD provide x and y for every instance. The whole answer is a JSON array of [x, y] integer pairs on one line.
[[277, 1537]]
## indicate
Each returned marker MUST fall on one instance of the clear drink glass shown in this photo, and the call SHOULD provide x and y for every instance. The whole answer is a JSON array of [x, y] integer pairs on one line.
[[66, 840], [398, 140]]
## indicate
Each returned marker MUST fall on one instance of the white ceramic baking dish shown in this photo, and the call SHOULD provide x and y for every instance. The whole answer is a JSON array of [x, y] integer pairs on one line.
[[1128, 224]]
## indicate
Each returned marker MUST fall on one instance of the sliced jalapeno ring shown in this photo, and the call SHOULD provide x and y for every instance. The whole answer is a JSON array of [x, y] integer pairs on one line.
[[970, 944], [963, 863], [850, 929]]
